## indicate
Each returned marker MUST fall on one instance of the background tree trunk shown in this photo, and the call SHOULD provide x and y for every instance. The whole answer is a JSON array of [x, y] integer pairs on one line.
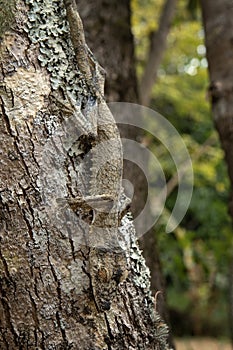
[[108, 33], [218, 24], [57, 290]]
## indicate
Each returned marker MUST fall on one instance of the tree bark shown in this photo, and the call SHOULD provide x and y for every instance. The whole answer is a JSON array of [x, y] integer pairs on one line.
[[218, 24], [158, 41], [62, 285]]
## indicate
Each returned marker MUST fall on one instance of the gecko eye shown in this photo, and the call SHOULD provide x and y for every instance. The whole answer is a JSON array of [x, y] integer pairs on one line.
[[91, 101]]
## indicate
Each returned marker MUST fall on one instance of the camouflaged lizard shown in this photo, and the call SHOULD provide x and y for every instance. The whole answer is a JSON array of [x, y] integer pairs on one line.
[[104, 197]]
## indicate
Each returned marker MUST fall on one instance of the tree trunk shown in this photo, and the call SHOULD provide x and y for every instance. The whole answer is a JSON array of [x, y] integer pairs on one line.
[[218, 23], [72, 276], [158, 41]]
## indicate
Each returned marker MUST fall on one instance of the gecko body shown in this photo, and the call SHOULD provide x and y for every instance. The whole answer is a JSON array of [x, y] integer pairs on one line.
[[107, 260]]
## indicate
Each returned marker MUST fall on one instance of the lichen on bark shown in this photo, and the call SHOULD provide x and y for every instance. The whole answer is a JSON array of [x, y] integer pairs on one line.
[[48, 27]]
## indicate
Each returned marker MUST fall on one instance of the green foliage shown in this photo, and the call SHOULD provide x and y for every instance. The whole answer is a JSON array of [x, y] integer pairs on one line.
[[196, 256], [7, 8]]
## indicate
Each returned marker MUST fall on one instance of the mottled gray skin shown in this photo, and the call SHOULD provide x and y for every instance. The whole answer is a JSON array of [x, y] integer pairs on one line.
[[107, 260]]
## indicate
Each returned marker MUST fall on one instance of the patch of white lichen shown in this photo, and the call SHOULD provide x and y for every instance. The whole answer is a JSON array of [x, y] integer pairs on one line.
[[140, 275], [48, 27]]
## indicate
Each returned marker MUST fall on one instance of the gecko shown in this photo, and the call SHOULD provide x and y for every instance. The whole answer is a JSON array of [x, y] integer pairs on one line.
[[105, 196]]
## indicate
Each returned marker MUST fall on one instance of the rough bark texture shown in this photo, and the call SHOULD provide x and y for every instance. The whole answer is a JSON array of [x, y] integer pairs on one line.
[[218, 23], [50, 276], [158, 41], [108, 32]]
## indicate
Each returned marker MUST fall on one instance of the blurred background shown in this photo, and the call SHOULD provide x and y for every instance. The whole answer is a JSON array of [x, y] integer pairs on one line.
[[196, 256], [157, 53]]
